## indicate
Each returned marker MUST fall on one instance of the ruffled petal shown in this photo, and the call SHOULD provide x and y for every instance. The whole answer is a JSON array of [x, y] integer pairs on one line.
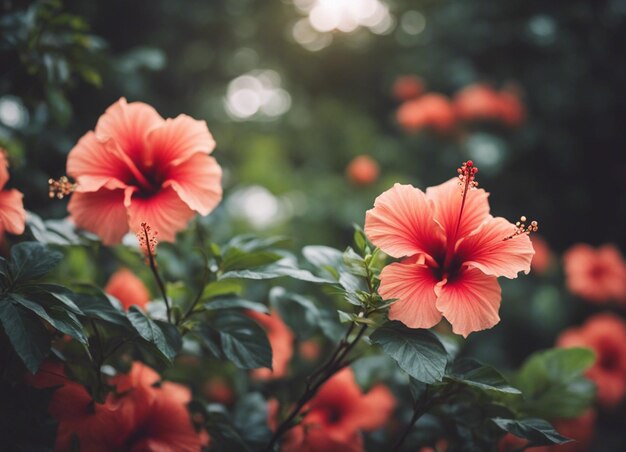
[[447, 199], [128, 125], [176, 140], [413, 284], [486, 249], [94, 165], [165, 212], [401, 223], [470, 302], [12, 213], [198, 182], [101, 212]]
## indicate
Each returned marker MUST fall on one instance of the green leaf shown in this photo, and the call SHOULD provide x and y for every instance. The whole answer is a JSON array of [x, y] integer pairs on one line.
[[298, 312], [64, 321], [276, 271], [475, 374], [235, 303], [210, 338], [220, 288], [328, 260], [354, 263], [250, 418], [224, 433], [167, 343], [418, 352], [236, 259], [62, 294], [31, 260], [98, 306], [537, 431], [553, 384], [26, 333], [243, 341], [360, 241]]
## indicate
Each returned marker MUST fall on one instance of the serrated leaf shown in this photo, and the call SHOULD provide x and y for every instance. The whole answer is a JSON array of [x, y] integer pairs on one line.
[[31, 260], [167, 343], [298, 312], [26, 333], [475, 374], [418, 352], [243, 341], [537, 431]]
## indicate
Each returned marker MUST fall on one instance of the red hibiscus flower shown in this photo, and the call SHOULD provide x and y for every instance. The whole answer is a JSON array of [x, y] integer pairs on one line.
[[142, 415], [362, 170], [128, 289], [452, 250], [432, 111], [281, 339], [12, 213], [606, 335], [337, 414], [481, 102], [407, 87], [138, 167], [597, 275]]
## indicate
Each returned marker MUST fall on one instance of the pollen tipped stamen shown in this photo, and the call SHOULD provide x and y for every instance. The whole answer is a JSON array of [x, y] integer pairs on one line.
[[467, 176], [60, 188], [147, 241], [522, 228]]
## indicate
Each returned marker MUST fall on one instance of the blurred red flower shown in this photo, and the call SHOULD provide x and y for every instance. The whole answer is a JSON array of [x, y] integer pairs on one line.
[[362, 170], [310, 350], [432, 111], [597, 275], [480, 102], [281, 339], [337, 414], [543, 258], [407, 87], [12, 213], [143, 415], [452, 250], [128, 289], [605, 334], [138, 167]]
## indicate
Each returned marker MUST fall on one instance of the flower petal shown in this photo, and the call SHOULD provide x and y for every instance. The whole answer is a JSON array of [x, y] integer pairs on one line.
[[447, 199], [413, 284], [4, 169], [101, 212], [486, 249], [470, 302], [12, 213], [94, 165], [128, 125], [198, 182], [165, 212], [374, 408], [176, 140], [401, 223]]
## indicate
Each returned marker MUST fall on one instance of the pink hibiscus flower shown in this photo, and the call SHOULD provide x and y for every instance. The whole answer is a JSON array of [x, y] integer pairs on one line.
[[138, 167], [12, 213], [452, 250]]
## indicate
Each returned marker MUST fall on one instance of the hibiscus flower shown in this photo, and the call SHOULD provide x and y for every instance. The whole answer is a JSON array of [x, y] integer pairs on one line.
[[452, 253], [605, 334], [138, 167], [338, 413], [12, 213], [597, 275], [281, 339], [128, 289]]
